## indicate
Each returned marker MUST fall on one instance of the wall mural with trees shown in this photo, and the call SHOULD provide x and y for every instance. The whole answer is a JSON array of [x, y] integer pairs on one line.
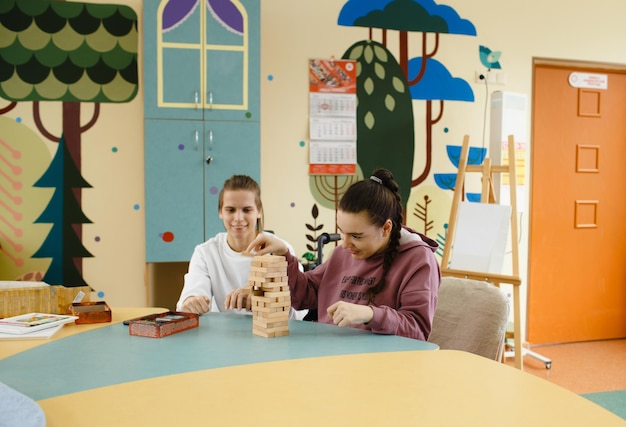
[[388, 133], [70, 53]]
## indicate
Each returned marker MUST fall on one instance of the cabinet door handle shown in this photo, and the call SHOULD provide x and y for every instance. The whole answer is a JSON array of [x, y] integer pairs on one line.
[[197, 140], [211, 140], [210, 100], [196, 100], [209, 159]]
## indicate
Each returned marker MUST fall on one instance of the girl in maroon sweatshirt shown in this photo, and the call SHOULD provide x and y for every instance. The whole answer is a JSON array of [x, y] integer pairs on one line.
[[384, 277]]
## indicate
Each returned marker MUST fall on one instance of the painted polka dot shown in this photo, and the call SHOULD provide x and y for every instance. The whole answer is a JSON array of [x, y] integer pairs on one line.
[[270, 77], [167, 236], [302, 143]]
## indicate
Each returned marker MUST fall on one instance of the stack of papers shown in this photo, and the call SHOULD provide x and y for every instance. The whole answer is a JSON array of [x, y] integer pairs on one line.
[[33, 325]]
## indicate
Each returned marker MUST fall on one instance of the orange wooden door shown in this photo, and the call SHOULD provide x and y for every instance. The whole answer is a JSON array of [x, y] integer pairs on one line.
[[577, 247]]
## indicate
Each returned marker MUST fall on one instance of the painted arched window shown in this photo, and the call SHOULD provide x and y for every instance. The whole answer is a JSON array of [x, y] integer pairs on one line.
[[202, 54]]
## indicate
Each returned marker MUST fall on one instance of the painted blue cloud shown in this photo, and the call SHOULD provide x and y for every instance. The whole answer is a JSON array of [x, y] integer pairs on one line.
[[405, 15], [354, 9], [456, 24], [437, 83]]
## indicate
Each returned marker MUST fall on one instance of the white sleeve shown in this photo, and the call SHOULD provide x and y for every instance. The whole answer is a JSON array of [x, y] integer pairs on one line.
[[197, 279]]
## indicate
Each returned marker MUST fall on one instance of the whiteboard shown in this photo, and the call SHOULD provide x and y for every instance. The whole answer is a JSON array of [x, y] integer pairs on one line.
[[480, 240]]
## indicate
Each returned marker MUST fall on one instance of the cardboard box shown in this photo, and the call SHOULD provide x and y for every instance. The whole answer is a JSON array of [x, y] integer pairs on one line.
[[18, 297], [61, 297], [162, 324]]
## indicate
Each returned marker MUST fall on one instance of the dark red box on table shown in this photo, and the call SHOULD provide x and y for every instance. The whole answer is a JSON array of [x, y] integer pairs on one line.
[[163, 324]]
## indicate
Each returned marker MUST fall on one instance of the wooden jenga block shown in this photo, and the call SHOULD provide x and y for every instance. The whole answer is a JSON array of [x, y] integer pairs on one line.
[[276, 328], [277, 294], [269, 309], [258, 303], [270, 334], [267, 271], [273, 286], [256, 280], [262, 333], [269, 301], [261, 301], [268, 259], [271, 322], [267, 275], [277, 314]]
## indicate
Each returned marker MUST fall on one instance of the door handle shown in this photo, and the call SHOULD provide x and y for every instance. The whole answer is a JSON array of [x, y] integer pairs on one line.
[[209, 160]]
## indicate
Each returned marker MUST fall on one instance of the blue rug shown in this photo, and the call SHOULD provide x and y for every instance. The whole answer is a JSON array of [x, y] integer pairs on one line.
[[614, 401]]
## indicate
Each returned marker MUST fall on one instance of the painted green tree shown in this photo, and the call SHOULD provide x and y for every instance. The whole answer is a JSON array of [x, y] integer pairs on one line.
[[383, 113], [72, 53], [62, 212]]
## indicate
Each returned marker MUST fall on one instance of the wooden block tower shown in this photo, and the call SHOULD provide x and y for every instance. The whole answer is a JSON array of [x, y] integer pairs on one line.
[[271, 299]]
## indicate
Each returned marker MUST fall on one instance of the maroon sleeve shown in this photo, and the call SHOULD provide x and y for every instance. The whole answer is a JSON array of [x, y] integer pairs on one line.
[[303, 285], [416, 299]]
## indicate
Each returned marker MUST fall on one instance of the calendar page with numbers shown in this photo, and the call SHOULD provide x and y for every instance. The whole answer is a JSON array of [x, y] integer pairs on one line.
[[332, 117]]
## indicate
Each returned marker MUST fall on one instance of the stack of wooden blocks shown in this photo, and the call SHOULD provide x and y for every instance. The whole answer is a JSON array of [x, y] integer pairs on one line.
[[271, 299]]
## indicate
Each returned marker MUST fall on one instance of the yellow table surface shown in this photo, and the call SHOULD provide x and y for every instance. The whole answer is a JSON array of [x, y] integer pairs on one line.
[[426, 388], [412, 387]]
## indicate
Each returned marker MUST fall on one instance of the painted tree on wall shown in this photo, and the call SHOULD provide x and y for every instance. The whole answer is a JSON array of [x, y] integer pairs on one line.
[[434, 82], [62, 212], [72, 53], [385, 127]]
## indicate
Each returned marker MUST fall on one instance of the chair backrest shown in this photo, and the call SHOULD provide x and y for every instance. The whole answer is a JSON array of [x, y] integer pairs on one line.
[[471, 316]]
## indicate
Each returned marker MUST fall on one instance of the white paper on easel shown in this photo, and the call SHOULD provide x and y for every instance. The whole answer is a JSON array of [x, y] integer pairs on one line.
[[480, 239]]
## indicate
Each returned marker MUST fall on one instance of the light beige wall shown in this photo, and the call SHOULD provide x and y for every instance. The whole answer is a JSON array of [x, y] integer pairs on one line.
[[292, 33]]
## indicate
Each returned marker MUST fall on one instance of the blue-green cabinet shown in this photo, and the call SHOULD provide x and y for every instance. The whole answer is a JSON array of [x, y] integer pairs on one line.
[[202, 116]]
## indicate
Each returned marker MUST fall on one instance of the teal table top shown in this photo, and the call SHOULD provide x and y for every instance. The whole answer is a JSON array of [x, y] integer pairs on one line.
[[109, 355]]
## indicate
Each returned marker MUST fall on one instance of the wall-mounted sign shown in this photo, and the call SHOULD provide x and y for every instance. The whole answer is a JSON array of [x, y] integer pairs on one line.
[[332, 117], [589, 80]]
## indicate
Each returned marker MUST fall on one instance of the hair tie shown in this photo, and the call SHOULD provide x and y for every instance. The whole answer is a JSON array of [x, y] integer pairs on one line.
[[376, 179]]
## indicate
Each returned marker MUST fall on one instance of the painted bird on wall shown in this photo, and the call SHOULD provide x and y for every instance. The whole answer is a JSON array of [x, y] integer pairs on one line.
[[490, 59]]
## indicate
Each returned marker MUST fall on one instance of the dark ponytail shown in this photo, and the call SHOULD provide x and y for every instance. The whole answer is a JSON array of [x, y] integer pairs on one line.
[[379, 197]]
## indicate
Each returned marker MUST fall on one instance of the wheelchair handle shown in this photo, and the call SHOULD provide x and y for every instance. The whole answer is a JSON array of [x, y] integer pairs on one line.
[[322, 240]]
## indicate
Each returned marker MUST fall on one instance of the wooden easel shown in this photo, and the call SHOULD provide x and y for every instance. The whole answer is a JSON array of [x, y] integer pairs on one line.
[[488, 196]]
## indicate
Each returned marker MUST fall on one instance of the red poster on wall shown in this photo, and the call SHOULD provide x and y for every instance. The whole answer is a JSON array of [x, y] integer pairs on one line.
[[332, 117]]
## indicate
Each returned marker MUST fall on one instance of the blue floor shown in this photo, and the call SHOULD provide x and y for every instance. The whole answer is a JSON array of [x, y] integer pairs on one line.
[[614, 401]]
